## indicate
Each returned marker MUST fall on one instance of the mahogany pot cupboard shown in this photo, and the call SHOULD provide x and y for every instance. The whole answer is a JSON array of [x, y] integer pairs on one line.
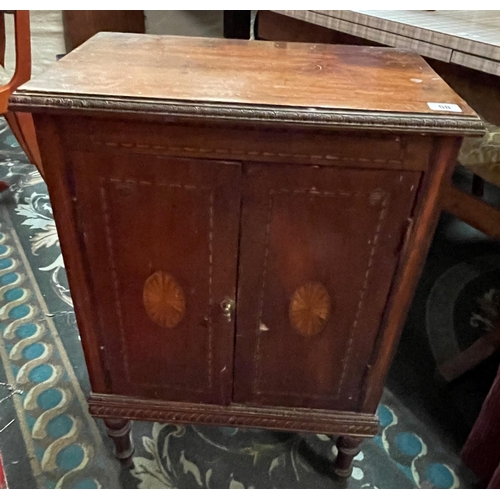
[[243, 223]]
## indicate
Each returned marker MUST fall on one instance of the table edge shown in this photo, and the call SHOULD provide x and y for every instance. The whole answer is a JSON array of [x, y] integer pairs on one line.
[[431, 123]]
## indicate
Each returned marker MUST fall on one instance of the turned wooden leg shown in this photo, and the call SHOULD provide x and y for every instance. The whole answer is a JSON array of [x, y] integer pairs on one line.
[[119, 431], [348, 448]]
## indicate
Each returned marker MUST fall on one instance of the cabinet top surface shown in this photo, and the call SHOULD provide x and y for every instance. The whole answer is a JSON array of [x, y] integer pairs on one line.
[[308, 78]]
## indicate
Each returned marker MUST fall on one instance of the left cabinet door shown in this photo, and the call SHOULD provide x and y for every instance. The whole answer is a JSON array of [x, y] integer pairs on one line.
[[161, 241]]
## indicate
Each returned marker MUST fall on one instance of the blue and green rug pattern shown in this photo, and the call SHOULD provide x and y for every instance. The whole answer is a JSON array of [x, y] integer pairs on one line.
[[60, 437], [51, 441]]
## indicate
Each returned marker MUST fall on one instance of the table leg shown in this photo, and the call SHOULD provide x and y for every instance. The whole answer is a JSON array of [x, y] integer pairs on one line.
[[119, 431], [348, 447]]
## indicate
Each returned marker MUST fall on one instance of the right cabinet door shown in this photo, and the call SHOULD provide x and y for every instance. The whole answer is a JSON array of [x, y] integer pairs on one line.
[[318, 250]]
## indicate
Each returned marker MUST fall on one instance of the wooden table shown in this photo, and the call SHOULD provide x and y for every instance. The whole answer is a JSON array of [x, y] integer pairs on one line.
[[243, 223], [463, 37]]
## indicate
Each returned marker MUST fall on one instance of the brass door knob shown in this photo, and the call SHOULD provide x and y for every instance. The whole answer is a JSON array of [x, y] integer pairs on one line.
[[227, 306]]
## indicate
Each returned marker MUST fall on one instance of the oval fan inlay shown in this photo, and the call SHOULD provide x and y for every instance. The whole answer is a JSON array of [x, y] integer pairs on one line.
[[164, 299], [310, 308]]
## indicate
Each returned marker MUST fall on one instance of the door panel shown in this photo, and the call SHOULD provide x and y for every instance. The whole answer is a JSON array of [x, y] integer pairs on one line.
[[317, 254], [161, 239]]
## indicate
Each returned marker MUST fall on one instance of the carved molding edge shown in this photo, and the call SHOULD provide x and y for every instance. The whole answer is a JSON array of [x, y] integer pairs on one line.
[[380, 121], [299, 420]]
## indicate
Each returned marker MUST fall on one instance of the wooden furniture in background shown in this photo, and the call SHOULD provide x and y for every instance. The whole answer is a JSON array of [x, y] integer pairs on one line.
[[468, 38], [244, 224], [481, 452], [271, 26], [237, 24], [80, 25], [20, 123]]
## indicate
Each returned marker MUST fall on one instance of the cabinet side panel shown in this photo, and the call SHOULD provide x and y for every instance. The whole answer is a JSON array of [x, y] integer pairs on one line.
[[58, 178], [427, 213]]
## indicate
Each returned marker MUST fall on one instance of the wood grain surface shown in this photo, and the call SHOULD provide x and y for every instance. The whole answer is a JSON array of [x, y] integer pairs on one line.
[[248, 72], [146, 215], [341, 228]]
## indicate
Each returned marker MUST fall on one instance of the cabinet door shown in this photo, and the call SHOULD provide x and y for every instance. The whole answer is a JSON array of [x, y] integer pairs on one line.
[[161, 240], [318, 251]]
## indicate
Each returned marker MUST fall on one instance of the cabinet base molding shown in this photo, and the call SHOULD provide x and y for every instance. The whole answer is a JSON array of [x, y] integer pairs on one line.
[[108, 406]]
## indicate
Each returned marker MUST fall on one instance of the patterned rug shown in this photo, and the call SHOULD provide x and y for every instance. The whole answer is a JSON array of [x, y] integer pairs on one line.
[[48, 440]]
